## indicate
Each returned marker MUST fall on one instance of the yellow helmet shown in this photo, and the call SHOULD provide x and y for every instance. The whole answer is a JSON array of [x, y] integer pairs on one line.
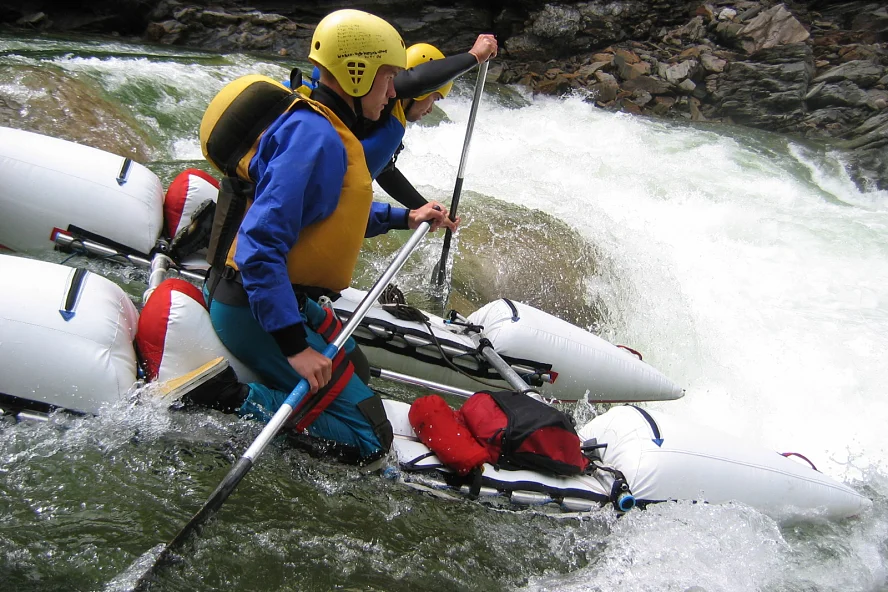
[[424, 52], [352, 45]]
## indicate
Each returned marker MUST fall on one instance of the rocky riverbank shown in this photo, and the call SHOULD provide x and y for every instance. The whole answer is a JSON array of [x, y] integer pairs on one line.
[[815, 70]]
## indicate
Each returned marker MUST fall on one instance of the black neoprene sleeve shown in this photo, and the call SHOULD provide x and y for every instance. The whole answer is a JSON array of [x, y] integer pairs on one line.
[[396, 184], [432, 75]]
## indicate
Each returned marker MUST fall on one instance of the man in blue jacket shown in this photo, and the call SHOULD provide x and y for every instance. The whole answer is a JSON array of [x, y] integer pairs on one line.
[[428, 78], [300, 237]]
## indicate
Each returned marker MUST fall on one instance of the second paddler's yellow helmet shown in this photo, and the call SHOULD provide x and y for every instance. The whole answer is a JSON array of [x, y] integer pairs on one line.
[[424, 52], [352, 45]]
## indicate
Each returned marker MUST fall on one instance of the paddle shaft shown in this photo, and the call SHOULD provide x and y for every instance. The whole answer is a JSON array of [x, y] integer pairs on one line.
[[460, 175], [245, 463]]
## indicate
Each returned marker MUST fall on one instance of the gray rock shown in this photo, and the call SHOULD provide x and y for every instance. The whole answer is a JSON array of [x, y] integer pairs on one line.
[[265, 19], [872, 131], [750, 13], [771, 28], [647, 84], [840, 94], [693, 31], [687, 86], [871, 20], [629, 69], [212, 18], [587, 70], [863, 73], [712, 63], [604, 92], [814, 91], [869, 144], [605, 77], [555, 21], [678, 72], [32, 19], [641, 97], [768, 90]]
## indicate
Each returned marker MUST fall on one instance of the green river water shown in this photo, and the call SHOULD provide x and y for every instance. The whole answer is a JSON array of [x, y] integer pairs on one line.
[[745, 266]]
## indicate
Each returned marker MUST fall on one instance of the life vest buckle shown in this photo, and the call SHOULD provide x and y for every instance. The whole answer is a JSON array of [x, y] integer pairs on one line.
[[228, 273]]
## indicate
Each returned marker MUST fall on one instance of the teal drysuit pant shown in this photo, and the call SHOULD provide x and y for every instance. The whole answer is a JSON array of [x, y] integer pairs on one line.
[[342, 421]]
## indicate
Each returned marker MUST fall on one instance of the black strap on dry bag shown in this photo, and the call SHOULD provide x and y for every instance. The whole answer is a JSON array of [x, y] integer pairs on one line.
[[538, 436]]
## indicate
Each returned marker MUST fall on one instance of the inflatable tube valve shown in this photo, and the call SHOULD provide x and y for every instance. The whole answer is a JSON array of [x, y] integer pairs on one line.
[[624, 502]]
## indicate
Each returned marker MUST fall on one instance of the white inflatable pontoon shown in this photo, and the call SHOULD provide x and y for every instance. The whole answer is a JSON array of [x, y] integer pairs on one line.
[[66, 340], [662, 459], [564, 361], [66, 336], [54, 187]]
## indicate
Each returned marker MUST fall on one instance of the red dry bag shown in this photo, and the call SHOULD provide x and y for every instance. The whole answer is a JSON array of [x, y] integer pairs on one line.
[[439, 428], [520, 432]]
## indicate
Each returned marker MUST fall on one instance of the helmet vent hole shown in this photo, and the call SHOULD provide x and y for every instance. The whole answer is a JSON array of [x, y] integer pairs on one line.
[[356, 71], [317, 45]]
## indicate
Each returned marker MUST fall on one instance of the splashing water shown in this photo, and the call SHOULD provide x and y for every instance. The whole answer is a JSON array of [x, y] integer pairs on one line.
[[745, 266]]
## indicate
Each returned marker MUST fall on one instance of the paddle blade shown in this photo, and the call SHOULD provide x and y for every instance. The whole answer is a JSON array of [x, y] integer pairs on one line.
[[135, 576], [439, 286]]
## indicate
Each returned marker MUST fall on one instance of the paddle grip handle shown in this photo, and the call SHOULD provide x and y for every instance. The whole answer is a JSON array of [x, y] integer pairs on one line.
[[297, 394]]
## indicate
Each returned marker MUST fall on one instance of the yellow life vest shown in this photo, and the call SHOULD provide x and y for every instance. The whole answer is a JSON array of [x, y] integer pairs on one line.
[[326, 252], [399, 114]]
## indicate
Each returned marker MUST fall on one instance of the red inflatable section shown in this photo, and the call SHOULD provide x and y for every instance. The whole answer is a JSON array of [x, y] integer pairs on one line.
[[440, 429], [158, 320], [188, 190], [176, 335]]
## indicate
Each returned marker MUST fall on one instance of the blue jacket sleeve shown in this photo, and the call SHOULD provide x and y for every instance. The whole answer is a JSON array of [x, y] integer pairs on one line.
[[300, 165], [385, 217]]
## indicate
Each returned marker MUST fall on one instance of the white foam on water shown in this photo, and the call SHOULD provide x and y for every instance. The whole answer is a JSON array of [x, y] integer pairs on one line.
[[747, 268]]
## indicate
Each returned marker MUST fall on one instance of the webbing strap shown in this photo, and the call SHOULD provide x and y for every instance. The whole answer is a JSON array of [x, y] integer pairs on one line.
[[330, 327], [343, 370], [72, 294], [233, 190], [252, 136], [515, 316], [314, 405]]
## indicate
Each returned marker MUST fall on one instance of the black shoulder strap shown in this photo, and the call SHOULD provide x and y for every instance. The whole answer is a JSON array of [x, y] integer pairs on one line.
[[271, 109], [295, 79], [230, 209]]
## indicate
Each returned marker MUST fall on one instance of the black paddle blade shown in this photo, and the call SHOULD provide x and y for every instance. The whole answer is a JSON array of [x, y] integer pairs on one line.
[[130, 579], [439, 275], [439, 287], [139, 576]]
